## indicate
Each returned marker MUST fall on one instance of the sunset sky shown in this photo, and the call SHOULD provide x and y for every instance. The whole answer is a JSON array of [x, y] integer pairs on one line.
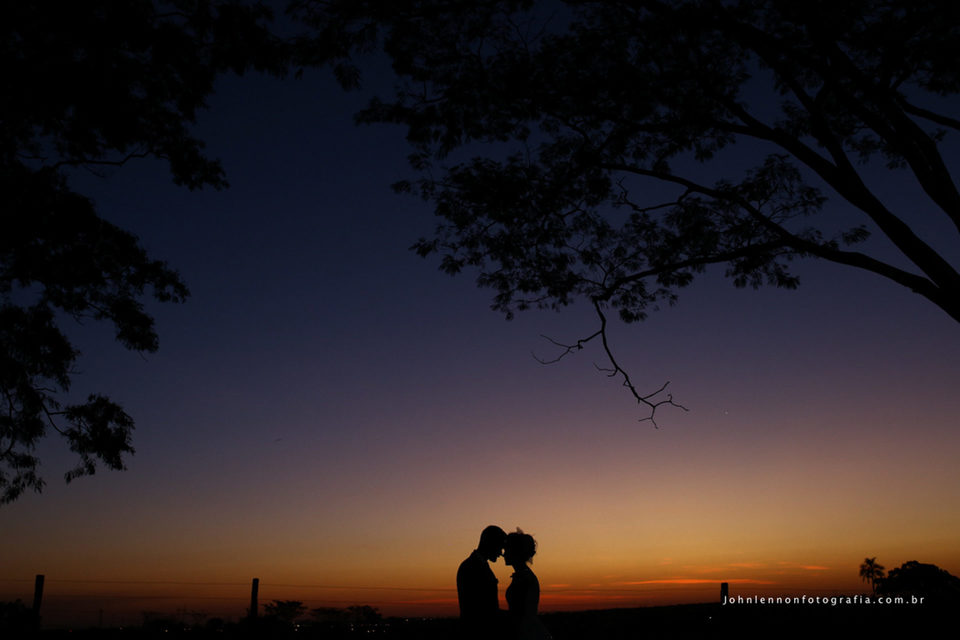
[[332, 415]]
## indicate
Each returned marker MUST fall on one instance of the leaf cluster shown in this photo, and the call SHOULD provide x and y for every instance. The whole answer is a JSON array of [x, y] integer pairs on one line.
[[92, 85], [611, 151], [576, 112]]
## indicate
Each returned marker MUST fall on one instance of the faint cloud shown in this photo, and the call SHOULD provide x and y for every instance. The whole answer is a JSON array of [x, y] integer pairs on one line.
[[696, 569], [638, 583], [805, 567], [724, 568]]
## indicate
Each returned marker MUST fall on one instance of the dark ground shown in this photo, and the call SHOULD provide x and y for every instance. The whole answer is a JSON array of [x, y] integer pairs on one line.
[[681, 621]]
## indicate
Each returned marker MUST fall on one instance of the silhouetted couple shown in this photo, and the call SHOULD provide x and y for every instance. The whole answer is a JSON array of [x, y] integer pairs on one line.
[[480, 614]]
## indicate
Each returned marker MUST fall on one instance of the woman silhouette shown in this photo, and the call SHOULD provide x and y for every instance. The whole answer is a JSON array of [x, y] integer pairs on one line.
[[523, 594]]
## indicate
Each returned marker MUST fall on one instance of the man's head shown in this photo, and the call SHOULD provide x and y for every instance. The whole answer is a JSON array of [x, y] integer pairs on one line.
[[491, 542]]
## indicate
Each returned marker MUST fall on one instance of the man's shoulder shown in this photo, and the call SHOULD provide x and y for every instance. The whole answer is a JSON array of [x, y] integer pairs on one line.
[[471, 563], [475, 568]]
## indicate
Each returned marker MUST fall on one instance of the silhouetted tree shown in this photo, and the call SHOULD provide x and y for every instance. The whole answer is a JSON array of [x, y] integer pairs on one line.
[[94, 84], [871, 572], [937, 586], [364, 614], [285, 611], [17, 619], [601, 132], [327, 614]]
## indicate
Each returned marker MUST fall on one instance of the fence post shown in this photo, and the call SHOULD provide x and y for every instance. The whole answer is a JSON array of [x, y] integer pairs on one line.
[[253, 597], [37, 600]]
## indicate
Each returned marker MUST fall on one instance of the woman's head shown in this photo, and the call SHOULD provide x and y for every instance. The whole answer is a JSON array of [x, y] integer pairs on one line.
[[519, 547]]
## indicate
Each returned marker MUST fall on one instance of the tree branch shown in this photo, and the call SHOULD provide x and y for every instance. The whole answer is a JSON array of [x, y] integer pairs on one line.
[[647, 399], [937, 118], [692, 262], [112, 163], [567, 348], [931, 289]]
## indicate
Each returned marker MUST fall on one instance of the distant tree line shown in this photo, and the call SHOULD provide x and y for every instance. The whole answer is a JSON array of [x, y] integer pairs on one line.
[[937, 586]]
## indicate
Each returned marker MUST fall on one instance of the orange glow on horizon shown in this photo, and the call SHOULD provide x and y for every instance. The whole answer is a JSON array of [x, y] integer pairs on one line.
[[696, 581]]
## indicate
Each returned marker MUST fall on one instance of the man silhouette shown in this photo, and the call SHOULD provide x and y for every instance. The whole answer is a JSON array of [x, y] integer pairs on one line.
[[477, 587]]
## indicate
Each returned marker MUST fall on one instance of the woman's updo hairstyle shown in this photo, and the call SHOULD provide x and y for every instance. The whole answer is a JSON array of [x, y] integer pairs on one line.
[[521, 544]]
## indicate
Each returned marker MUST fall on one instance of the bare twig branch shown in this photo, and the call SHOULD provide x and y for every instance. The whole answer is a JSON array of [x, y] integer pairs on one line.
[[111, 163], [649, 400], [617, 369], [50, 415], [567, 348]]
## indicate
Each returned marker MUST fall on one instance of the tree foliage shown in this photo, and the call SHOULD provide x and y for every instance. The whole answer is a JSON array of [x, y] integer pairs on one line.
[[583, 150], [94, 84], [285, 612], [937, 586], [871, 571]]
